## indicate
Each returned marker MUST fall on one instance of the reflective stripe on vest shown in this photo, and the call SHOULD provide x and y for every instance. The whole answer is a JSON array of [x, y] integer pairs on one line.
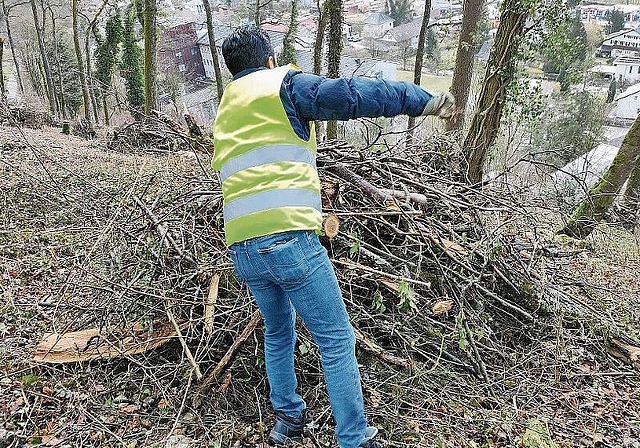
[[264, 155], [269, 179], [271, 199]]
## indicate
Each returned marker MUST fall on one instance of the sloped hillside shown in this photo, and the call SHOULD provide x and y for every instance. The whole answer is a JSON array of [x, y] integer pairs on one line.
[[477, 326]]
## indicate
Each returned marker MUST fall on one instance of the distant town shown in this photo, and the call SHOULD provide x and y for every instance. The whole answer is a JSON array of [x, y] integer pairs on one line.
[[374, 46]]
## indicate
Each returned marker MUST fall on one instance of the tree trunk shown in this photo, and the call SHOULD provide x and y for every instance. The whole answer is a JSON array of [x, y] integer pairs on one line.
[[317, 45], [150, 42], [334, 53], [417, 68], [463, 72], [257, 18], [5, 11], [2, 86], [323, 15], [105, 109], [86, 101], [500, 72], [214, 50], [87, 47], [631, 202], [590, 212], [60, 94], [89, 76], [45, 60]]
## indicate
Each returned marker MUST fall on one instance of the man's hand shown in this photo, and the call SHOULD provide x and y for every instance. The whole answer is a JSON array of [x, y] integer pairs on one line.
[[440, 104]]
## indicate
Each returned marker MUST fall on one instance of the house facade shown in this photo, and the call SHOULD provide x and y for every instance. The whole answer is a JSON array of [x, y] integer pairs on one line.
[[375, 25], [221, 32], [179, 47], [443, 9], [628, 103], [405, 35], [623, 43], [599, 13], [627, 69]]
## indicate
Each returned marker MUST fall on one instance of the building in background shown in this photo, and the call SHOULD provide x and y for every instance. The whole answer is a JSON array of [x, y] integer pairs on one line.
[[627, 69], [627, 104], [623, 43], [178, 48]]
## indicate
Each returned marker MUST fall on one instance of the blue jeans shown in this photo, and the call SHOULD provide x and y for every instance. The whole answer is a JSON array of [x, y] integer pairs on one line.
[[287, 273]]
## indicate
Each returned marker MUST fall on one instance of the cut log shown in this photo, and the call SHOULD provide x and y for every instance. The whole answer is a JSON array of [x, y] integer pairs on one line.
[[93, 343], [628, 351]]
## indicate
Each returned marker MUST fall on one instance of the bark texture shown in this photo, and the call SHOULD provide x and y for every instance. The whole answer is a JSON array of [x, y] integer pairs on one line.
[[591, 211], [45, 60], [86, 101], [500, 72], [463, 71], [334, 53], [150, 61], [214, 50], [417, 68]]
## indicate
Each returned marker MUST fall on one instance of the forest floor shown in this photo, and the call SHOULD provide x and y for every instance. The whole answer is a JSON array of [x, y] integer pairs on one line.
[[60, 197]]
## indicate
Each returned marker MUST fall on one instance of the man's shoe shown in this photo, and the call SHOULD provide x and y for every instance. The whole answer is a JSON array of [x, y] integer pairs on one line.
[[370, 439], [287, 430]]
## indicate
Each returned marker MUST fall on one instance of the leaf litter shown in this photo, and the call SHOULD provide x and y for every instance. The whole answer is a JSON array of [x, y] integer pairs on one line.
[[477, 327]]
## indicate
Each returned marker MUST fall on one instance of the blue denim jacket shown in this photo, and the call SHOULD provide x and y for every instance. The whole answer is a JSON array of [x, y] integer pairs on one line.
[[307, 97]]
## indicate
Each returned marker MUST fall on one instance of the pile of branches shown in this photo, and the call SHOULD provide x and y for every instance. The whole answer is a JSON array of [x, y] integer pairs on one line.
[[418, 254], [24, 116], [84, 128], [434, 273], [158, 134]]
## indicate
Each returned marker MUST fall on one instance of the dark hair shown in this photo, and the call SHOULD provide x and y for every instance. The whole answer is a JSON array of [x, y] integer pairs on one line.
[[247, 47]]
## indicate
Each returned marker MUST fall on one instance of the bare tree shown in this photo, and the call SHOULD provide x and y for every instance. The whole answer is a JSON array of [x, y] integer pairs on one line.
[[16, 63], [463, 71], [45, 60], [150, 58], [417, 67], [500, 73], [214, 49], [259, 6], [83, 77], [593, 208], [91, 24], [322, 26], [334, 53]]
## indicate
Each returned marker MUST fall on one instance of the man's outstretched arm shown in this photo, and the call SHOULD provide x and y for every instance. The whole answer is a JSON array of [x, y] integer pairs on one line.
[[319, 98]]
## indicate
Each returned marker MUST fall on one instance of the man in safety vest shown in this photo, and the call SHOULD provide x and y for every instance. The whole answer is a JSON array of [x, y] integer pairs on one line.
[[265, 150]]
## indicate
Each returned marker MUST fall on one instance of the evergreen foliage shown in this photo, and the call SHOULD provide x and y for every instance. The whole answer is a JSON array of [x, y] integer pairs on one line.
[[569, 130], [431, 43], [138, 6], [107, 50], [288, 55], [565, 50], [399, 11], [131, 67], [431, 48], [615, 21]]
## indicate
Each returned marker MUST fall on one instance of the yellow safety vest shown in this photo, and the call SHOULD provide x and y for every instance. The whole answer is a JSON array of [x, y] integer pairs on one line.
[[269, 178]]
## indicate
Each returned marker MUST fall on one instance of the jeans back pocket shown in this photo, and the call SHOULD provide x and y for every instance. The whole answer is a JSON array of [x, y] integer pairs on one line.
[[285, 260]]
